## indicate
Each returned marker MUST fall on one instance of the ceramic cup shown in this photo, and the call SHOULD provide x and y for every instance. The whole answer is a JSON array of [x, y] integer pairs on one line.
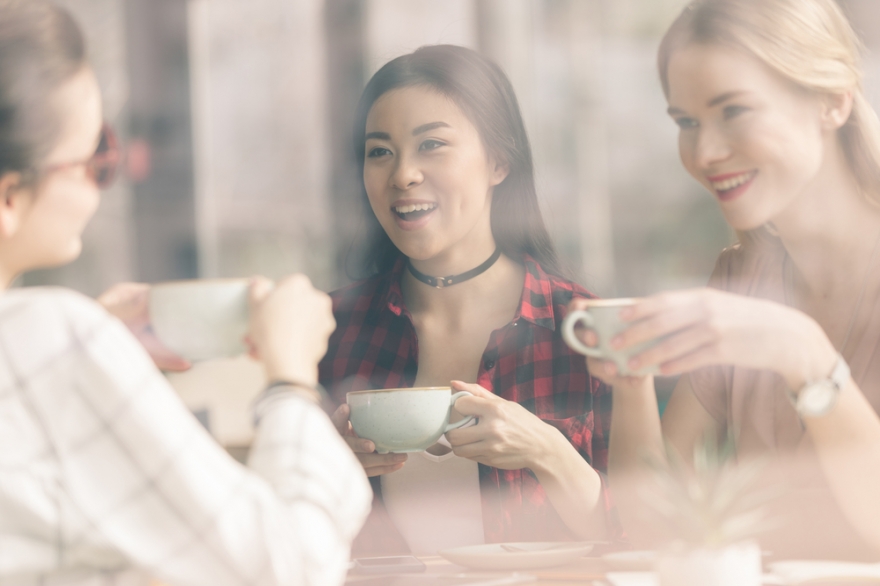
[[201, 319], [403, 420], [602, 316]]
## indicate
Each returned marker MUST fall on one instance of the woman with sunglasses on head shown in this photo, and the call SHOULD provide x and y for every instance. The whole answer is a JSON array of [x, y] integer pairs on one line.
[[467, 288], [106, 477], [783, 352]]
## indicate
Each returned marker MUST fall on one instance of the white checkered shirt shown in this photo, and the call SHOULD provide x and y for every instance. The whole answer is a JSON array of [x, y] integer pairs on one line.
[[106, 478]]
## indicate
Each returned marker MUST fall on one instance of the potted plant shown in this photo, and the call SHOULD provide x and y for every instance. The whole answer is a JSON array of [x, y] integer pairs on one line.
[[713, 510]]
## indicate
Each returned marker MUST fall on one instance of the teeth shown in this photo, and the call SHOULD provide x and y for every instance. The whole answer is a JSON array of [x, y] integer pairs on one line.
[[732, 182], [416, 207]]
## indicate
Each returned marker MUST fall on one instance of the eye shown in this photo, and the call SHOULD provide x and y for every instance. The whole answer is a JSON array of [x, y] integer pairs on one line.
[[686, 123], [377, 152], [430, 145], [733, 111]]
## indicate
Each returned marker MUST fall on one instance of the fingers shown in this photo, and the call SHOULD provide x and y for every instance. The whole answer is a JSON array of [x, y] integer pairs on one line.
[[481, 404], [382, 470], [340, 419], [700, 357], [674, 347], [359, 445], [465, 435], [375, 464], [164, 358], [260, 287]]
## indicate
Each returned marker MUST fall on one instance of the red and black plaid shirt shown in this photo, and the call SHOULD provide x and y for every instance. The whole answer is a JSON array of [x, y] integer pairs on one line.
[[375, 346]]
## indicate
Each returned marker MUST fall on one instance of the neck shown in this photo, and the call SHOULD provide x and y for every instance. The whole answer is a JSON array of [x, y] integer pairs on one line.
[[500, 286], [7, 276], [830, 230]]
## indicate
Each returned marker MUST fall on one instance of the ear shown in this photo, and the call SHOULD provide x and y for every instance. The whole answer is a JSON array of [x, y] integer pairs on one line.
[[836, 109], [14, 200], [499, 173]]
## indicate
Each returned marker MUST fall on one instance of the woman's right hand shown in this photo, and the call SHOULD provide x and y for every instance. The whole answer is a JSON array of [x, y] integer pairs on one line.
[[374, 464], [290, 324], [604, 370]]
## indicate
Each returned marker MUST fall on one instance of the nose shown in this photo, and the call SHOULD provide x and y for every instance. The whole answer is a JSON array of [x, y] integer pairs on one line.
[[406, 174], [711, 148]]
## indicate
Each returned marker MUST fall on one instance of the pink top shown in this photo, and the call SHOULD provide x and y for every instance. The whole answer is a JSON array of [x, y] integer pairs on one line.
[[754, 405]]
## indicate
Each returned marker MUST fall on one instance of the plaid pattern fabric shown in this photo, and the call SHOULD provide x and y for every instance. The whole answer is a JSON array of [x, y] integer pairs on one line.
[[106, 478], [375, 346]]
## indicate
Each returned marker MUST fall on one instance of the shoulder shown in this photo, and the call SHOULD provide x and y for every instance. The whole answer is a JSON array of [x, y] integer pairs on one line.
[[44, 309], [40, 323], [754, 261]]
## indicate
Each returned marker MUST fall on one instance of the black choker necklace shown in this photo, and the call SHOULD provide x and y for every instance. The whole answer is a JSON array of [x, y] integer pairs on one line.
[[442, 282]]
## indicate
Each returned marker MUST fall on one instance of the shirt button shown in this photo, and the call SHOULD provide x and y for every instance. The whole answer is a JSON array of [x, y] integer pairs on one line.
[[489, 363]]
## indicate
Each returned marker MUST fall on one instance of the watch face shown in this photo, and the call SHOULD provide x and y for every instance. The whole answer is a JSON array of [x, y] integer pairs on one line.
[[816, 399]]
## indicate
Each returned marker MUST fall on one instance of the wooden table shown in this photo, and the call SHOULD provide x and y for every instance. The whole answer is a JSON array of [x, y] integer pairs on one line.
[[580, 573]]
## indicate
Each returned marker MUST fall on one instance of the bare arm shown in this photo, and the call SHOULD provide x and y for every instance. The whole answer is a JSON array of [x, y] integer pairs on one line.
[[847, 442], [703, 327], [510, 437], [637, 436]]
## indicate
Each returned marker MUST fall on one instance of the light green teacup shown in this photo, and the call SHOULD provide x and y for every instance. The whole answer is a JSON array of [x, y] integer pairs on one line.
[[403, 420], [201, 319], [603, 317]]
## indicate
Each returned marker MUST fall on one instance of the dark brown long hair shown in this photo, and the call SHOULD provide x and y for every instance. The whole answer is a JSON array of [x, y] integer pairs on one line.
[[41, 47], [484, 94]]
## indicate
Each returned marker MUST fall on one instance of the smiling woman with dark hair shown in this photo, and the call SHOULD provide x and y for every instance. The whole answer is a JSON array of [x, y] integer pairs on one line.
[[465, 286]]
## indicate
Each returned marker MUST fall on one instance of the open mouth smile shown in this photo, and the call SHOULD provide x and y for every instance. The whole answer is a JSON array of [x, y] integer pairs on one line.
[[413, 212], [729, 187]]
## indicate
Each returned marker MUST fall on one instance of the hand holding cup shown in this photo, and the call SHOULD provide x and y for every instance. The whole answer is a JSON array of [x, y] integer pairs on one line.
[[289, 326], [602, 319]]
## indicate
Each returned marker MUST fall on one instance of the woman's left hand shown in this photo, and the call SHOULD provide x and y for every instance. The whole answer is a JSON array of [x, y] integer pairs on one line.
[[507, 435], [130, 303]]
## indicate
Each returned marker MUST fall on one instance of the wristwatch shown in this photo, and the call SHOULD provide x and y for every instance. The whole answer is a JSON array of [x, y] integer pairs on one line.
[[818, 398]]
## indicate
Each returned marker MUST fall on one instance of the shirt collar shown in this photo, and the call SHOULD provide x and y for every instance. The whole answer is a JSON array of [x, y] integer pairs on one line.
[[536, 303]]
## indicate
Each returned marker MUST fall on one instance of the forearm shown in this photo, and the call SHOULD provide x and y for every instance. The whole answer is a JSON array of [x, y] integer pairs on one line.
[[636, 438], [573, 488], [847, 443]]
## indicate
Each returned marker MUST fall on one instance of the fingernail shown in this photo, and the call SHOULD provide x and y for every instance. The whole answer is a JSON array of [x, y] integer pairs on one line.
[[617, 341], [399, 457], [368, 446], [634, 363], [626, 312], [609, 368]]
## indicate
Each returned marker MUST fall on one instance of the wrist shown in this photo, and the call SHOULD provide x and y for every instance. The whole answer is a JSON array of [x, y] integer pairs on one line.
[[547, 460], [812, 363], [277, 370]]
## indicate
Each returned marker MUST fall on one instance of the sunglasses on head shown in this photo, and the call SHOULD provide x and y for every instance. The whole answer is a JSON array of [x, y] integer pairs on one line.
[[101, 167]]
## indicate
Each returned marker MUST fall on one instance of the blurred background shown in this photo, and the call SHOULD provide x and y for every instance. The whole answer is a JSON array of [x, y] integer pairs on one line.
[[237, 115]]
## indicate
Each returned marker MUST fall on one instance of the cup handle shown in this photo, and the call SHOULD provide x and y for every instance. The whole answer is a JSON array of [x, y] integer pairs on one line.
[[460, 422], [568, 324]]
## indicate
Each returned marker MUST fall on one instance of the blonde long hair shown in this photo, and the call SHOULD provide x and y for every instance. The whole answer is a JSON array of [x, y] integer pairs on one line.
[[808, 42]]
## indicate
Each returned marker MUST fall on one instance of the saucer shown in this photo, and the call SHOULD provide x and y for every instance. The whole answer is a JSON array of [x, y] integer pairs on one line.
[[517, 556]]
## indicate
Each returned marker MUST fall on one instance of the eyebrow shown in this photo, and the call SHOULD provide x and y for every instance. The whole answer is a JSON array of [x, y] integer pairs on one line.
[[378, 135], [429, 126], [672, 111]]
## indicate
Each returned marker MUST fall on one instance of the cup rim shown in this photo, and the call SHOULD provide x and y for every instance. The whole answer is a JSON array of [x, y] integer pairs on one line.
[[612, 302], [447, 388], [191, 282]]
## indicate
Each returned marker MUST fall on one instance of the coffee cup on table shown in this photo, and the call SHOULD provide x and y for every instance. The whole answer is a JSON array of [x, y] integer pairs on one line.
[[602, 316], [403, 420], [201, 319]]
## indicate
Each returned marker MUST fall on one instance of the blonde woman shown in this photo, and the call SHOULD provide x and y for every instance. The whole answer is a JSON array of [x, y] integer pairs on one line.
[[783, 351]]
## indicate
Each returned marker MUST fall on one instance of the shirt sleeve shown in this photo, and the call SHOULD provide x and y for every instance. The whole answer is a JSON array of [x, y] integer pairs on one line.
[[157, 488]]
